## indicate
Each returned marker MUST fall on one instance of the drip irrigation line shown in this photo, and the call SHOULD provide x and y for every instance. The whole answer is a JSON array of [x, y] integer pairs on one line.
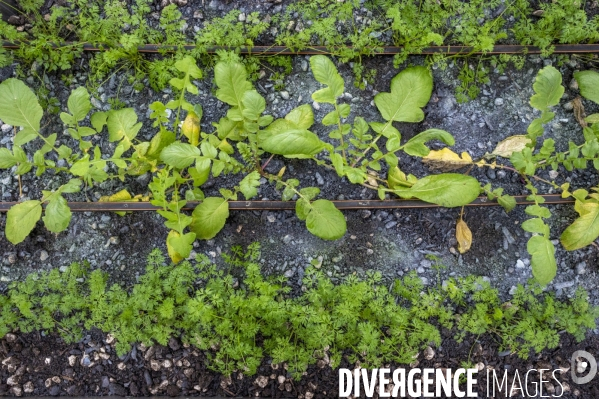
[[284, 50], [554, 199]]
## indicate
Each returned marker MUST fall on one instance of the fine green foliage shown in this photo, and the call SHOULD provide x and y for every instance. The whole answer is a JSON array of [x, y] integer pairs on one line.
[[238, 326], [341, 26]]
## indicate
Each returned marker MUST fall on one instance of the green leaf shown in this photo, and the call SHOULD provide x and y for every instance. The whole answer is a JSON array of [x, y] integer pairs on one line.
[[588, 82], [507, 202], [584, 230], [448, 189], [325, 220], [21, 219], [254, 105], [230, 77], [302, 117], [122, 125], [19, 106], [548, 88], [248, 186], [415, 146], [209, 217], [98, 120], [325, 72], [535, 225], [7, 160], [79, 104], [293, 143], [302, 208], [180, 155], [543, 263], [159, 142], [57, 215], [411, 90]]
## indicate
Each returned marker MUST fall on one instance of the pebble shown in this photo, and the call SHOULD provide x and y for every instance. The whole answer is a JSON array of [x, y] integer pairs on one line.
[[289, 273], [319, 179], [284, 95], [241, 17], [6, 128], [510, 238], [568, 106], [581, 268], [565, 284], [553, 174], [390, 225], [429, 353], [304, 65], [315, 105], [520, 264], [573, 84], [499, 101], [44, 256]]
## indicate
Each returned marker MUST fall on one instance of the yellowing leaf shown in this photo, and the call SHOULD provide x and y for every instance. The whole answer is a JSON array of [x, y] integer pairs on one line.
[[191, 128], [446, 159], [507, 147], [463, 235], [121, 196]]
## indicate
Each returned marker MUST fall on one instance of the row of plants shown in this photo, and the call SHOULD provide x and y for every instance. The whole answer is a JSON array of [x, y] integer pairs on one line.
[[181, 157], [238, 323], [120, 27]]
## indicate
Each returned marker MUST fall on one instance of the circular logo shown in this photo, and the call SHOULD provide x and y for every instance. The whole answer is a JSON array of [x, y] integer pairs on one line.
[[591, 360]]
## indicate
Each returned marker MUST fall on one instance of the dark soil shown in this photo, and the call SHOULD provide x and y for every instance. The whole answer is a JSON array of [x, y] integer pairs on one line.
[[37, 365]]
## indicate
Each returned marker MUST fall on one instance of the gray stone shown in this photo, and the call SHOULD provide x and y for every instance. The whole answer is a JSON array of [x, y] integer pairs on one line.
[[499, 101], [581, 268]]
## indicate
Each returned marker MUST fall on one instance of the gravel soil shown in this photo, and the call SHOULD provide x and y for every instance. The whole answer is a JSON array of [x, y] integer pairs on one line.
[[36, 365]]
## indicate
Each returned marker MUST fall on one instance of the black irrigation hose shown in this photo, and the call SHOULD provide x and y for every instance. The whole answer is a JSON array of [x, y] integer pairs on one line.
[[553, 199], [391, 50]]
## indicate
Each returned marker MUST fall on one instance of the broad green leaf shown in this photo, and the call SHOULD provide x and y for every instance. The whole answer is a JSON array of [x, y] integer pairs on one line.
[[7, 159], [325, 72], [122, 124], [448, 189], [25, 136], [159, 142], [208, 150], [584, 230], [19, 106], [98, 120], [593, 118], [535, 225], [21, 219], [415, 146], [180, 155], [57, 215], [548, 88], [230, 77], [209, 217], [411, 90], [302, 116], [588, 82], [253, 104], [507, 202], [294, 143], [302, 208], [542, 253], [79, 104], [325, 220], [248, 186]]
